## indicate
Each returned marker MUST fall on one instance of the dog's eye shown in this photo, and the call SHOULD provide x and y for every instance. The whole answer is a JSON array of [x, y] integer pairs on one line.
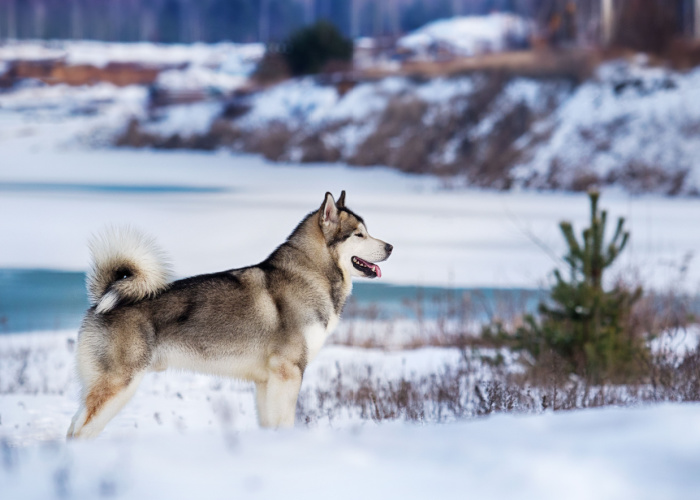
[[358, 235]]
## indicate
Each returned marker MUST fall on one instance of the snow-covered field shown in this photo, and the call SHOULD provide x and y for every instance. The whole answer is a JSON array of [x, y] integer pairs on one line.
[[647, 453], [39, 394], [186, 434]]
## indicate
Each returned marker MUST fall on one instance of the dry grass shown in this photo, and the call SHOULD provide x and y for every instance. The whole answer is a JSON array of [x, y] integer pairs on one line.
[[480, 385], [488, 378], [576, 65]]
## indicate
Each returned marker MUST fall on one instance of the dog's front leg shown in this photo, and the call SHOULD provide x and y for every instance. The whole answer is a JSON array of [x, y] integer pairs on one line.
[[261, 403], [282, 392]]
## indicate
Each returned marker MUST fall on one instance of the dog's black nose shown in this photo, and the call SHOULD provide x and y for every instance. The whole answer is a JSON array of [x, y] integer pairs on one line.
[[388, 248]]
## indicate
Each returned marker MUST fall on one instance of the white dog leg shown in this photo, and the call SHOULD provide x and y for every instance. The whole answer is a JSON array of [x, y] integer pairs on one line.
[[261, 403], [282, 392]]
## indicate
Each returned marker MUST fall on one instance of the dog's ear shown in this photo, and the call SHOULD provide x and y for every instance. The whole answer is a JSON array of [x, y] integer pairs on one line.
[[341, 200], [329, 211]]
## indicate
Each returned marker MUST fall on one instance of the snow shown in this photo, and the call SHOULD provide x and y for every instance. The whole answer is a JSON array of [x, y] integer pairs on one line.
[[347, 120], [679, 343], [630, 125], [606, 454], [186, 434], [46, 118], [303, 102], [629, 114], [442, 90], [226, 69], [290, 101], [230, 56], [213, 68], [469, 237], [199, 77], [469, 35], [184, 119], [64, 99]]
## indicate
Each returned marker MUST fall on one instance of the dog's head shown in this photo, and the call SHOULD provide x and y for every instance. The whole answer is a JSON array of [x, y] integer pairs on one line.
[[349, 241]]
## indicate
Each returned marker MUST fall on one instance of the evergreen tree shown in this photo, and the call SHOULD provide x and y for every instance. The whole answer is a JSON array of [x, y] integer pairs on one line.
[[585, 325], [309, 50]]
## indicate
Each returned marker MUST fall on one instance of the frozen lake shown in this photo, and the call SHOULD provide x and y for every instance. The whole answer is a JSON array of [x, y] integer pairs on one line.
[[215, 211]]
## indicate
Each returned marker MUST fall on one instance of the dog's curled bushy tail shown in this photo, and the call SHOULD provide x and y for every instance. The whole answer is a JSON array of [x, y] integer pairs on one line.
[[127, 266]]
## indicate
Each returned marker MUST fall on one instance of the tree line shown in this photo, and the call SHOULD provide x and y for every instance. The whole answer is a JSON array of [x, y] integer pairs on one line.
[[171, 21]]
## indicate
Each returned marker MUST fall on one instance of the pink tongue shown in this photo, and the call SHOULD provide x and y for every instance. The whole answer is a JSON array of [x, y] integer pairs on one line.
[[376, 269]]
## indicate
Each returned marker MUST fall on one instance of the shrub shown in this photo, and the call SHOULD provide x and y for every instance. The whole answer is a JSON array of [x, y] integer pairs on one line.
[[588, 329], [273, 68], [312, 49]]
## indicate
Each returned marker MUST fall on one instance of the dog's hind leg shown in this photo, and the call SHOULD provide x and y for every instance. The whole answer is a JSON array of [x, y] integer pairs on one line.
[[282, 392], [101, 403]]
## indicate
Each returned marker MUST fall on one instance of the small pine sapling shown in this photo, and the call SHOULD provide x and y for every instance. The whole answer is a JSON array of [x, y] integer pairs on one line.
[[585, 325]]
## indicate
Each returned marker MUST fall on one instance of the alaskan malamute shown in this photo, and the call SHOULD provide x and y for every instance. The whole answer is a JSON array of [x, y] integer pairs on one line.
[[263, 323]]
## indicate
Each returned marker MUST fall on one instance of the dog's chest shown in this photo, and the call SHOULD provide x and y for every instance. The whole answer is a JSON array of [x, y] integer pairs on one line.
[[316, 335]]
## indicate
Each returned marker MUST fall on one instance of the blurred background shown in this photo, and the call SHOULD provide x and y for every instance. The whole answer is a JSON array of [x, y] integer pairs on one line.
[[590, 22]]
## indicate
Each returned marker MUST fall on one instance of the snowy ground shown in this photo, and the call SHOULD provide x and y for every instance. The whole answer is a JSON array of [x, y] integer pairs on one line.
[[184, 434], [645, 453], [39, 392]]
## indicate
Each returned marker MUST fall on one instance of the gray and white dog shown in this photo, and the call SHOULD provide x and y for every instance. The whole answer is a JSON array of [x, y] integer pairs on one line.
[[263, 323]]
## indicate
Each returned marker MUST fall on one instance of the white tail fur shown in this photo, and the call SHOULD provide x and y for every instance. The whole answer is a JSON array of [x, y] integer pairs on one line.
[[126, 266]]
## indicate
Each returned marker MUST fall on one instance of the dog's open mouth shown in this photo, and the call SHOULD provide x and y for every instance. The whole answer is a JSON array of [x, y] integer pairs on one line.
[[370, 270]]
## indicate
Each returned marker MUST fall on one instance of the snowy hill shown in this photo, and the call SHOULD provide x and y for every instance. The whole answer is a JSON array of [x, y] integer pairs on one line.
[[220, 67], [469, 35], [632, 125]]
